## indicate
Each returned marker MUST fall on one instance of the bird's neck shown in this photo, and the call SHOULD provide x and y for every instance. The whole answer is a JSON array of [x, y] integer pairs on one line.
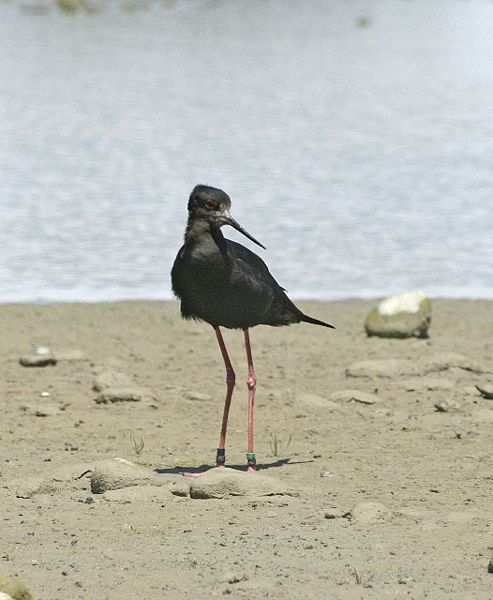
[[200, 231]]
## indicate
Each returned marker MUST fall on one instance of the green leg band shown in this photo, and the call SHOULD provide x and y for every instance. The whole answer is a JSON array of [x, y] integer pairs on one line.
[[251, 459]]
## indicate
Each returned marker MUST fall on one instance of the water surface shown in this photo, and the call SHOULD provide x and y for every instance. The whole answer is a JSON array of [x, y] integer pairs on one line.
[[355, 139]]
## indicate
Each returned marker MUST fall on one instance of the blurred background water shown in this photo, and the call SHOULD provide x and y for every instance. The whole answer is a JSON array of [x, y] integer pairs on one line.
[[355, 139]]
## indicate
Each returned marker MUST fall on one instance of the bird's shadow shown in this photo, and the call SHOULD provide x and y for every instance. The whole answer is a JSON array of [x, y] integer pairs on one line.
[[180, 470]]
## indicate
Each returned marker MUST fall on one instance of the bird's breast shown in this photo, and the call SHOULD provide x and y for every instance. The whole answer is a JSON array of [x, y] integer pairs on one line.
[[212, 287]]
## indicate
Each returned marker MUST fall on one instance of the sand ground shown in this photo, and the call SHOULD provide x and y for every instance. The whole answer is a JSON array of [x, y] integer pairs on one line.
[[430, 471]]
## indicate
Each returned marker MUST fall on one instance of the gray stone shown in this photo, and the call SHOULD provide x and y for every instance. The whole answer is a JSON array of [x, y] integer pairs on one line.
[[316, 401], [416, 514], [110, 379], [460, 516], [41, 356], [420, 384], [63, 477], [41, 410], [402, 316], [181, 488], [392, 367], [223, 482], [233, 578], [451, 360], [482, 415], [129, 495], [486, 390], [124, 394], [370, 512], [470, 390], [387, 367], [335, 513], [442, 406], [30, 486], [117, 473], [354, 396]]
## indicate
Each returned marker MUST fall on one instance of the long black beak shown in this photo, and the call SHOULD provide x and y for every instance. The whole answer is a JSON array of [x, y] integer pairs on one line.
[[230, 221]]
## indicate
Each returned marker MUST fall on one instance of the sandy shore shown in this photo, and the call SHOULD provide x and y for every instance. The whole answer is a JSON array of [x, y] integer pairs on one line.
[[427, 471]]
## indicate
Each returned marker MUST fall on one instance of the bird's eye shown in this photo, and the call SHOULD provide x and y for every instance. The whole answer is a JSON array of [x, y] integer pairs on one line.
[[209, 204]]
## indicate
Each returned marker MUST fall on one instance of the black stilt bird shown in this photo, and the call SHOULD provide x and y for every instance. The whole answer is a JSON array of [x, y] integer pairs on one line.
[[225, 284]]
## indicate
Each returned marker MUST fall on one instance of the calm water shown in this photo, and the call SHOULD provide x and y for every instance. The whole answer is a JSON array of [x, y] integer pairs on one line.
[[355, 139]]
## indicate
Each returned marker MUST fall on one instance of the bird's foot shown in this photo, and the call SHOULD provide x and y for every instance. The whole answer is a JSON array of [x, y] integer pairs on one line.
[[220, 462], [251, 462], [200, 473]]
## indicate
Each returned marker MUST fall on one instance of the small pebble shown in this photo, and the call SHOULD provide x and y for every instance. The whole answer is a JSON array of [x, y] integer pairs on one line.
[[486, 390], [233, 578], [112, 395], [191, 395], [335, 513], [442, 406], [41, 356], [354, 396]]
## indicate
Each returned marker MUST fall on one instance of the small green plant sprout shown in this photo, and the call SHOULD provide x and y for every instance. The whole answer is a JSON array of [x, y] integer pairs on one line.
[[366, 582], [137, 443], [277, 448]]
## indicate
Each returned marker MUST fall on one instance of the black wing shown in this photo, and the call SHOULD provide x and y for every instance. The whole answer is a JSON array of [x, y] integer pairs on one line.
[[252, 268]]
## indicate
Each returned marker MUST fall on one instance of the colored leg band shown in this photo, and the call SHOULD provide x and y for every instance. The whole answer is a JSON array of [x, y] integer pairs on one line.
[[251, 462], [220, 456]]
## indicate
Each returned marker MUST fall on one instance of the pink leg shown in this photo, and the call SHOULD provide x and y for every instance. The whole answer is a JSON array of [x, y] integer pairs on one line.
[[251, 383], [230, 382]]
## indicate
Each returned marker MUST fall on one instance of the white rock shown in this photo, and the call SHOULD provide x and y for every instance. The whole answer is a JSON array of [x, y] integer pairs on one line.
[[41, 356], [402, 316], [406, 302]]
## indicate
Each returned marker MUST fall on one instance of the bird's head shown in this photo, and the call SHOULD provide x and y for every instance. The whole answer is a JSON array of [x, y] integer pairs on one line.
[[212, 205]]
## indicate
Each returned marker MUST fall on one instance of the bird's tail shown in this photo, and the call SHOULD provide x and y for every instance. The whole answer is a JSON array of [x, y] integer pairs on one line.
[[308, 319]]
